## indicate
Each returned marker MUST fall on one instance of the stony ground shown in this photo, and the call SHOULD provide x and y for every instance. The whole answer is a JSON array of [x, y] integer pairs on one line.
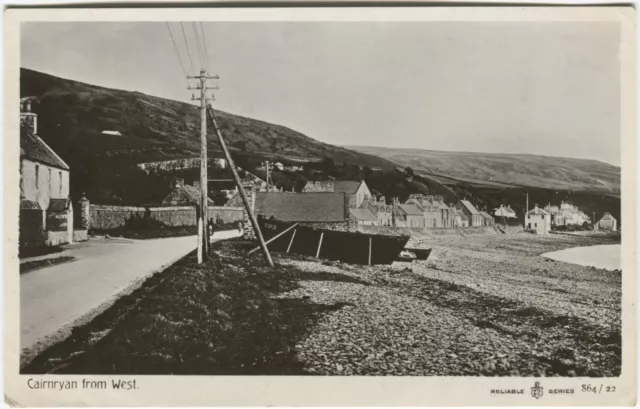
[[481, 305]]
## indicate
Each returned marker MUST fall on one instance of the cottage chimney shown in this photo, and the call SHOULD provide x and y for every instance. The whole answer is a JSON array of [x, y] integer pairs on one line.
[[27, 117]]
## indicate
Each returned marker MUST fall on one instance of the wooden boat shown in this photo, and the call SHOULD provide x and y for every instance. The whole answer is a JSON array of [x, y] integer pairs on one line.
[[421, 254], [348, 247]]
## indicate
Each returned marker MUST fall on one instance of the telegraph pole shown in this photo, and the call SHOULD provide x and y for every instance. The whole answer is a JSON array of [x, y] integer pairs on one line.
[[203, 214]]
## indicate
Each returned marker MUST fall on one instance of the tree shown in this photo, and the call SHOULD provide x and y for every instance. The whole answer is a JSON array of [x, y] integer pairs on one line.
[[410, 171]]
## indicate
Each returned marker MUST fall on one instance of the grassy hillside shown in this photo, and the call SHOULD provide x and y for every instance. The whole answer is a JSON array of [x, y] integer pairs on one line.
[[155, 128], [503, 170]]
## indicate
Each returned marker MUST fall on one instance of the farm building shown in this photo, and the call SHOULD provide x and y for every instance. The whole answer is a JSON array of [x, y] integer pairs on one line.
[[46, 212], [327, 209], [607, 222], [469, 210], [538, 220]]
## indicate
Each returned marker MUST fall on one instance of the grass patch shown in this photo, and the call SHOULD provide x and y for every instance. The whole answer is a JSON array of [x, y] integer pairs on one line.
[[216, 318], [143, 234], [38, 264], [39, 251]]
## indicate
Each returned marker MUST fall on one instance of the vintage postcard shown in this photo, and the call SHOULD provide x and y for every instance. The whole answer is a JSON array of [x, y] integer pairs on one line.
[[320, 206]]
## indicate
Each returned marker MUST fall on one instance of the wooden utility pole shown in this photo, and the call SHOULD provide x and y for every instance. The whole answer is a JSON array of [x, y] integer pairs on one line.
[[241, 191], [266, 168], [203, 214], [526, 211]]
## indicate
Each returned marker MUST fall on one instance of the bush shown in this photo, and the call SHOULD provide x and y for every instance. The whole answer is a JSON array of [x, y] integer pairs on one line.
[[137, 222]]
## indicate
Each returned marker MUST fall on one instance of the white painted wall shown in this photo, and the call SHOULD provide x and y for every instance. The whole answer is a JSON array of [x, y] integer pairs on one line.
[[52, 183]]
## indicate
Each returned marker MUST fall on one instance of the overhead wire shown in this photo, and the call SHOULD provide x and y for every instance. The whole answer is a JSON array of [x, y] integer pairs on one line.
[[195, 31], [204, 40], [175, 47], [186, 43]]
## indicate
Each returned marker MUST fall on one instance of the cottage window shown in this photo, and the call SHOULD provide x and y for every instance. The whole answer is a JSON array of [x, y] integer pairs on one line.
[[60, 178], [37, 176], [50, 181]]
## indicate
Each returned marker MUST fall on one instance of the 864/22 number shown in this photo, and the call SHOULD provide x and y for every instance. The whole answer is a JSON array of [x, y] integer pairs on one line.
[[597, 388]]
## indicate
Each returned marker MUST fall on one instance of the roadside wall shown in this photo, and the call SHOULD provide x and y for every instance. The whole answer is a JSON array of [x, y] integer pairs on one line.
[[104, 217]]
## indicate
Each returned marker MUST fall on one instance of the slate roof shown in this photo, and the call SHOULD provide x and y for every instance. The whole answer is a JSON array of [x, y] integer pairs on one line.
[[324, 207], [29, 205], [58, 205], [184, 195], [35, 149], [486, 215], [411, 210], [471, 208], [537, 211], [363, 214], [346, 186]]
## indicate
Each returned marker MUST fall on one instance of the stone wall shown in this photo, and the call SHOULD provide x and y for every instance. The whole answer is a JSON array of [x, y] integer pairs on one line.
[[103, 217], [56, 238], [80, 235], [31, 224]]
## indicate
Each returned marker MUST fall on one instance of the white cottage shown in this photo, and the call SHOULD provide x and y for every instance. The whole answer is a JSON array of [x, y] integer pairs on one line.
[[46, 214], [538, 220]]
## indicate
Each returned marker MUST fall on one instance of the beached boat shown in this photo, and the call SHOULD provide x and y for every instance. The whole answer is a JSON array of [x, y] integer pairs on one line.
[[348, 247], [421, 254]]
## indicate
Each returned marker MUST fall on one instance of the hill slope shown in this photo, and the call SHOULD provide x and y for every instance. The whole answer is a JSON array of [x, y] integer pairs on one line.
[[74, 113], [505, 169]]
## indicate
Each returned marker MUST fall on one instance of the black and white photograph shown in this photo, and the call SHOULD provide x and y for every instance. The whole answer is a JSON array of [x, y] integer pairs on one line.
[[406, 198]]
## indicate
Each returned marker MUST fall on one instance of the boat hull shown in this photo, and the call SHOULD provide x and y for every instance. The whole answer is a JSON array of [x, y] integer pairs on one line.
[[348, 247], [421, 254]]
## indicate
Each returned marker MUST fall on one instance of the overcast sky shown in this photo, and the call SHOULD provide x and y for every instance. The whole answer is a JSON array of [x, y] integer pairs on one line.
[[540, 88]]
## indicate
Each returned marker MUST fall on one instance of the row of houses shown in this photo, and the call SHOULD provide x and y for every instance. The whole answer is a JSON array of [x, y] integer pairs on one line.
[[365, 209], [567, 214]]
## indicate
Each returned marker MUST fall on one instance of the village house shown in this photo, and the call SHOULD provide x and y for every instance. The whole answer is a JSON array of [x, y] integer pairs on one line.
[[505, 212], [363, 217], [459, 218], [413, 215], [46, 212], [380, 209], [469, 210], [398, 216], [435, 212], [356, 191], [294, 168], [429, 209], [538, 220], [607, 222], [566, 214], [488, 219]]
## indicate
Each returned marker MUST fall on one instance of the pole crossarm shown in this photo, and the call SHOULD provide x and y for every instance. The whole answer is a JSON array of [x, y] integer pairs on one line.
[[206, 77]]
